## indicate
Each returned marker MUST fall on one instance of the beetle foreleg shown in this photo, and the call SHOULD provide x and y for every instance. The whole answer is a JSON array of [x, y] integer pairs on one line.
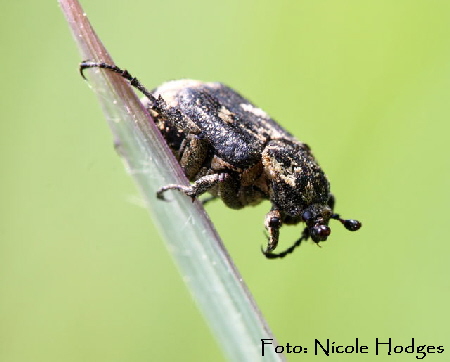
[[269, 255], [273, 224]]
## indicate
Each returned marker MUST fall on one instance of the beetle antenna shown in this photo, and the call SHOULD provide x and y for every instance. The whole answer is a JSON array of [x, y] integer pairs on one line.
[[134, 82], [349, 224]]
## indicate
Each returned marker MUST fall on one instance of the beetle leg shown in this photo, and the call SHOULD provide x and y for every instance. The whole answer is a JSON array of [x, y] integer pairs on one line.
[[198, 188], [273, 224], [193, 152], [269, 255]]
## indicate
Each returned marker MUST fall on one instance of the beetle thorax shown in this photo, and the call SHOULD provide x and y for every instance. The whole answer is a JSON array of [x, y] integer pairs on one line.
[[295, 179]]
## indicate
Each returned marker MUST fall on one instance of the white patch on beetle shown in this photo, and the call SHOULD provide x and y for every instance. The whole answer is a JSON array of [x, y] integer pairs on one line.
[[252, 109], [169, 90], [278, 171], [308, 193], [225, 115]]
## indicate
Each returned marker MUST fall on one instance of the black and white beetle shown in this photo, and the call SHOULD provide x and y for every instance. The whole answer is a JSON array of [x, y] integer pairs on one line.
[[236, 152]]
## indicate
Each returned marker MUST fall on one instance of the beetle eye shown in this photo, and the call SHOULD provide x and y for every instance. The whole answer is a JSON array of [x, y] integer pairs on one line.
[[320, 233]]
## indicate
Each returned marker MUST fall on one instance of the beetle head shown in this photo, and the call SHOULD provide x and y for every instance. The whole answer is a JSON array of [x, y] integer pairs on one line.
[[316, 217], [300, 190]]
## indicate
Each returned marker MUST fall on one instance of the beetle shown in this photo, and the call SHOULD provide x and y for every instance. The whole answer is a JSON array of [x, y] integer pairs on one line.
[[235, 151]]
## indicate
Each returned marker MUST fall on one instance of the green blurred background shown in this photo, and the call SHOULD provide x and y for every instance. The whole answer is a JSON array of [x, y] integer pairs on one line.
[[84, 275]]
